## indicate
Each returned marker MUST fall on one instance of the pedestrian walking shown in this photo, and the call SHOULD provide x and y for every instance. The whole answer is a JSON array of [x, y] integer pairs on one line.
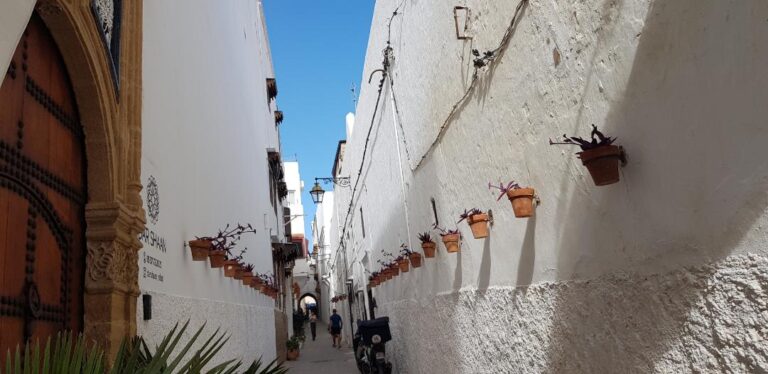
[[313, 324], [335, 327]]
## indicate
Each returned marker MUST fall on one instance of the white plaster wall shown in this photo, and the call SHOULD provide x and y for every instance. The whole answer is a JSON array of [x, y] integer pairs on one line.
[[322, 237], [14, 16], [207, 126], [679, 82], [295, 184]]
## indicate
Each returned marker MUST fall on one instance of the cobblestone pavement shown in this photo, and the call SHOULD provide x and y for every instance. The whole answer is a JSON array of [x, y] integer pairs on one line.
[[319, 357]]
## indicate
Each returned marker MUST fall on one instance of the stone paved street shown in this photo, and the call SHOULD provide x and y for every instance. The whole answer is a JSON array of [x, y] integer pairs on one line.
[[319, 357]]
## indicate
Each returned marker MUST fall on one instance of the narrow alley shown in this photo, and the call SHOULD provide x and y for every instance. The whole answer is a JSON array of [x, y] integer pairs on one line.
[[467, 186], [319, 356]]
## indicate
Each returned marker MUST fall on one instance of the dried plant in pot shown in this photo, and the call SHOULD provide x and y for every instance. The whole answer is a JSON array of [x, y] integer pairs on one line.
[[200, 248], [451, 239], [414, 257], [394, 269], [224, 242], [247, 275], [427, 245], [599, 155], [233, 265], [478, 222], [403, 263], [522, 199]]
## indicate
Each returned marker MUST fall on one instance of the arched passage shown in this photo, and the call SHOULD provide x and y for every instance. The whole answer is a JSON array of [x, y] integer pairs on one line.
[[308, 302]]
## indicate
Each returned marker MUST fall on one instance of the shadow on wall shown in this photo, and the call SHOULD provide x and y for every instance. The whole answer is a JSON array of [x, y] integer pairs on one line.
[[693, 120]]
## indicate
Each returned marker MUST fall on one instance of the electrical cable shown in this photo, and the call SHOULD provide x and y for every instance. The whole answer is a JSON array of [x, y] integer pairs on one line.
[[473, 85]]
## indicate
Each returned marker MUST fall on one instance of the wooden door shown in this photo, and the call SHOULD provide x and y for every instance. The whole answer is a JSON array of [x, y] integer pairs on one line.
[[42, 195]]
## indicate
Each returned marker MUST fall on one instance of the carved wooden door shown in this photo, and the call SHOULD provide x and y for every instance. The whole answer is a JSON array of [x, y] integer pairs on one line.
[[42, 195]]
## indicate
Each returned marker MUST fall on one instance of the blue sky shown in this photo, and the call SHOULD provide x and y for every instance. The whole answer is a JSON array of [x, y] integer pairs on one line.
[[318, 50]]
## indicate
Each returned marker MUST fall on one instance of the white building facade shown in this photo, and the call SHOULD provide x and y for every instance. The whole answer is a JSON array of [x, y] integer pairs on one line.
[[206, 147], [661, 272], [181, 136]]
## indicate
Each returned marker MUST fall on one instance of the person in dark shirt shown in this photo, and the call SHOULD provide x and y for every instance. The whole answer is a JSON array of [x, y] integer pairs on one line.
[[335, 327]]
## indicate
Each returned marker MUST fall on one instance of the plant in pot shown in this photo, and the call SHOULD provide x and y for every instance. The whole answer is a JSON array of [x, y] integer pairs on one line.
[[427, 245], [451, 239], [414, 257], [201, 247], [599, 155], [247, 275], [224, 242], [522, 199], [478, 222], [293, 348], [234, 264], [256, 281]]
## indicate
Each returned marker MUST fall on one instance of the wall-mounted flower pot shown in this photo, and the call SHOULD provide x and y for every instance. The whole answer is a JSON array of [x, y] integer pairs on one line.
[[239, 272], [479, 225], [603, 163], [263, 288], [230, 268], [200, 249], [415, 259], [429, 249], [217, 258], [394, 270], [247, 277], [522, 201], [451, 242], [404, 265]]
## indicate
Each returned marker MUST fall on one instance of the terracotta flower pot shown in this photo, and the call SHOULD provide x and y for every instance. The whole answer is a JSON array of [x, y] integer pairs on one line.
[[239, 272], [200, 249], [603, 164], [292, 355], [263, 288], [429, 249], [479, 225], [403, 265], [230, 268], [522, 201], [247, 277], [394, 270], [451, 242], [256, 283], [415, 259], [217, 258]]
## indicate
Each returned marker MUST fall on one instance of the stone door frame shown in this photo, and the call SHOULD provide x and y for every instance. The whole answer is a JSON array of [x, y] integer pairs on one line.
[[111, 120]]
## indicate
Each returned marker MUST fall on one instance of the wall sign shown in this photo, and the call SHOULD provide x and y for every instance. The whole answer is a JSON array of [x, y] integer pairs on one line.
[[153, 200], [154, 244]]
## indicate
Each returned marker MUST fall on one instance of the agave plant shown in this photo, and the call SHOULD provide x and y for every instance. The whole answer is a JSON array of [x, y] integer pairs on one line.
[[67, 354]]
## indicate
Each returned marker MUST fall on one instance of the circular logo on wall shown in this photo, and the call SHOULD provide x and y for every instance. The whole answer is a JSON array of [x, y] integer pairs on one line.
[[153, 200]]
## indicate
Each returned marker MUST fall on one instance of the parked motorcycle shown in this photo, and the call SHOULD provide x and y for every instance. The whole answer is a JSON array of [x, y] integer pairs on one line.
[[369, 341]]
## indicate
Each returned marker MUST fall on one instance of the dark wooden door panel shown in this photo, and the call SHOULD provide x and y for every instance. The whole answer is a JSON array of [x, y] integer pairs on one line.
[[42, 195]]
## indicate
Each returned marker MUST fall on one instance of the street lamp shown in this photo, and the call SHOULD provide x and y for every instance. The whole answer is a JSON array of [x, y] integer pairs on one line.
[[317, 191]]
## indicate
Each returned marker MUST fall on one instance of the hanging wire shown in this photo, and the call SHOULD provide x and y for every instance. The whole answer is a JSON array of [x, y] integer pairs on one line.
[[473, 85]]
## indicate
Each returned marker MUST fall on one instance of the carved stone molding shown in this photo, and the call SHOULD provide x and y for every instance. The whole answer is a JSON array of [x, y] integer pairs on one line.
[[111, 119], [99, 260]]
